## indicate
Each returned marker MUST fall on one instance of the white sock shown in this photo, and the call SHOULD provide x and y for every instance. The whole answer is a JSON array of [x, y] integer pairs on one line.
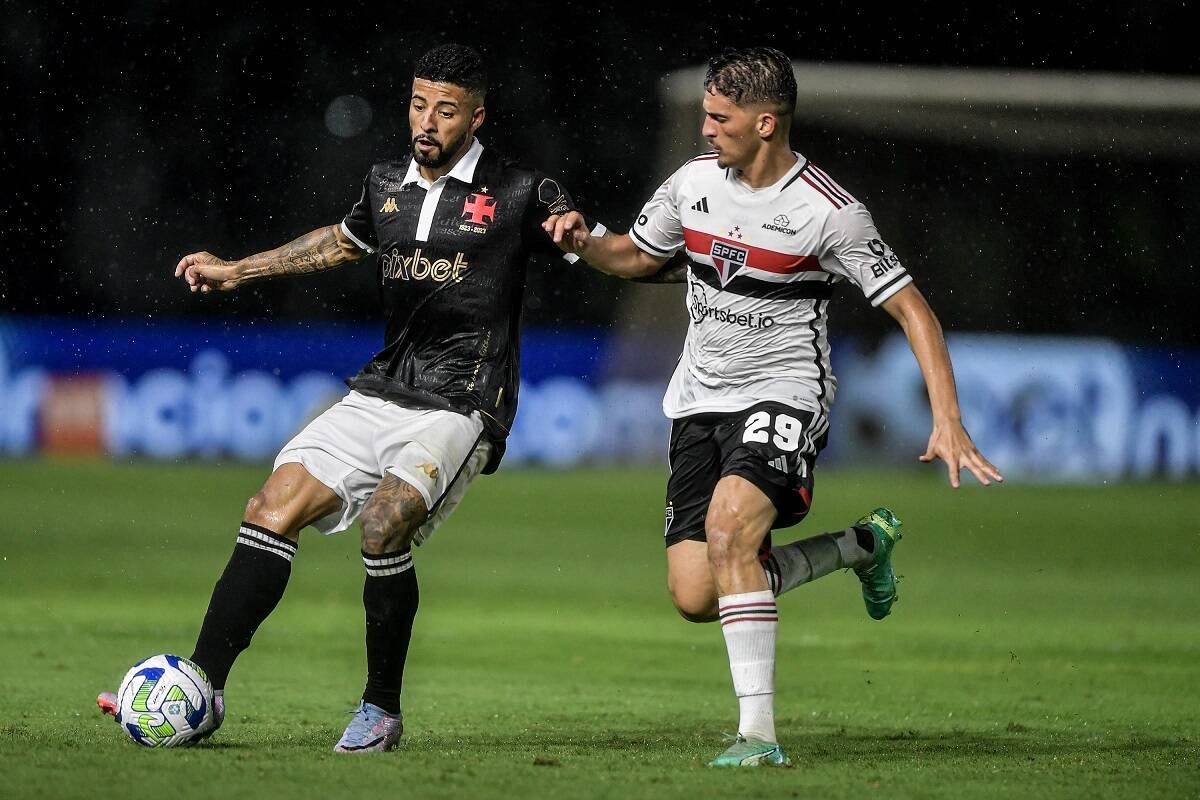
[[801, 562], [749, 622]]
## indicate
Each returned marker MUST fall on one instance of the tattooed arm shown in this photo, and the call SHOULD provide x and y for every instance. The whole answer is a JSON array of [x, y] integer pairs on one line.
[[324, 248]]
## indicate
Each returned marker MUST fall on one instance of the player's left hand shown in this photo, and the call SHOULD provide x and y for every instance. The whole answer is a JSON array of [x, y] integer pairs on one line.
[[951, 443], [569, 231]]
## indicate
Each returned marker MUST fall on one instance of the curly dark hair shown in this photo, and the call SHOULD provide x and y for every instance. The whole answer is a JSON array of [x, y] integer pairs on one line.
[[754, 75], [456, 64]]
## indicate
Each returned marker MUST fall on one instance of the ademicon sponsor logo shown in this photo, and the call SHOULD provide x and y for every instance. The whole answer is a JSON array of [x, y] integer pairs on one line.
[[417, 267]]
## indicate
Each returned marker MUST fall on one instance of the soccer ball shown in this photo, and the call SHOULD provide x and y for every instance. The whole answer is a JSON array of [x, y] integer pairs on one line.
[[164, 701]]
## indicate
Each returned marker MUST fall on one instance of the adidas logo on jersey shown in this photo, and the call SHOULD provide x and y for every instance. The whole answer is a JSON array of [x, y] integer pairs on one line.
[[779, 463], [701, 205]]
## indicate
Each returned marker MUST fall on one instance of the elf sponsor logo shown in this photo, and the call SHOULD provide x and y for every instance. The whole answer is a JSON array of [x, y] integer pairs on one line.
[[418, 267], [887, 259]]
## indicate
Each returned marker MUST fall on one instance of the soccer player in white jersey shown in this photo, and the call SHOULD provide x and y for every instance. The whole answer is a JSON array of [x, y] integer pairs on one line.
[[761, 235]]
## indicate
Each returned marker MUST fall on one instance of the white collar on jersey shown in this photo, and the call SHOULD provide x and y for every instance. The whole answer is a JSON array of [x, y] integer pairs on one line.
[[463, 171]]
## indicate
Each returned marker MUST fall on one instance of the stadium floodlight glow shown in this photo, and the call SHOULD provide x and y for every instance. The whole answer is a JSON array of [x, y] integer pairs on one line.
[[1035, 111]]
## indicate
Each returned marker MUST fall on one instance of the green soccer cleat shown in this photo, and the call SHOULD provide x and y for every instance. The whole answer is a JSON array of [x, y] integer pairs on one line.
[[751, 753], [878, 578]]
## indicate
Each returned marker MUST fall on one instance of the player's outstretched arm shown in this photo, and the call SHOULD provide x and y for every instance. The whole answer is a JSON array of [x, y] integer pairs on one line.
[[949, 440], [322, 249], [610, 253]]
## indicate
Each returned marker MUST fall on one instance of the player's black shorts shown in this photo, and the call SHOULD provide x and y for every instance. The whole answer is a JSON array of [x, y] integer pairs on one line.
[[772, 445]]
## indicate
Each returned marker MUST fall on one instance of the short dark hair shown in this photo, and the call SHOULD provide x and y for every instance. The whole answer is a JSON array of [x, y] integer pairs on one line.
[[456, 64], [754, 75]]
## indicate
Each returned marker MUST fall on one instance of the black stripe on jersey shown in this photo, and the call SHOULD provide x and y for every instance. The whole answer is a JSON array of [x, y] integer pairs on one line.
[[828, 184], [886, 286], [747, 286], [470, 454], [703, 157], [795, 178], [642, 239], [819, 357]]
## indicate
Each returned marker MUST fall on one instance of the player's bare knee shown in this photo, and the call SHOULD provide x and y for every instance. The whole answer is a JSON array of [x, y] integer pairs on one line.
[[693, 605], [260, 511], [722, 541], [728, 544], [384, 531], [391, 518], [379, 540]]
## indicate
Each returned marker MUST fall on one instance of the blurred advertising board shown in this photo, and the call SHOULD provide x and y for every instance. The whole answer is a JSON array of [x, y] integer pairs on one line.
[[225, 390], [1043, 409]]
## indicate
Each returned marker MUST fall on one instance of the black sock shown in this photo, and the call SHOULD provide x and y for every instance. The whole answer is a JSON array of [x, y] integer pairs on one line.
[[247, 592], [866, 539], [390, 597]]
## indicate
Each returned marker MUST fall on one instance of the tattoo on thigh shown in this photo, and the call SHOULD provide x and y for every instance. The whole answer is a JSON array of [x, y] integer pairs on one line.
[[392, 515]]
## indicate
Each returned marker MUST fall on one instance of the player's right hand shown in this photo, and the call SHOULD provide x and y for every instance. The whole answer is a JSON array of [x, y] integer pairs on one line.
[[204, 272], [569, 231]]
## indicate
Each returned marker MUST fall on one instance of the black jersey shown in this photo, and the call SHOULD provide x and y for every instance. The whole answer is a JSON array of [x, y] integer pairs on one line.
[[451, 266]]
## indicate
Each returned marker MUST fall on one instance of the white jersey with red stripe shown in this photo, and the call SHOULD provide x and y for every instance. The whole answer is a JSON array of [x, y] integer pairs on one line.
[[762, 267]]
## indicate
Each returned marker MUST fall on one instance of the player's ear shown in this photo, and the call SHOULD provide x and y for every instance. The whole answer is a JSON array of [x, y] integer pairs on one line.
[[477, 117], [767, 125]]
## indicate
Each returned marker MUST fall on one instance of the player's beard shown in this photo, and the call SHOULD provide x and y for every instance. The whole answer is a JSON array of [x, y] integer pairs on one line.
[[444, 152]]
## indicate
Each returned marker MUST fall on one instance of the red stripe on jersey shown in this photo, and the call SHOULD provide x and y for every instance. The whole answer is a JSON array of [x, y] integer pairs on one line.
[[814, 185], [701, 243]]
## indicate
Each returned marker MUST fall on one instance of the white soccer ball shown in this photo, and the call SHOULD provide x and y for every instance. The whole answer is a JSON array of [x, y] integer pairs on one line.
[[164, 701]]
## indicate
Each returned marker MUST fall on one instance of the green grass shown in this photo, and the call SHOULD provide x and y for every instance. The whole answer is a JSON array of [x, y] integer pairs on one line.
[[1046, 645]]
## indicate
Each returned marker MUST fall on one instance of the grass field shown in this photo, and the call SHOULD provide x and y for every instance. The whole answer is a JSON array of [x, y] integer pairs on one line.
[[1046, 645]]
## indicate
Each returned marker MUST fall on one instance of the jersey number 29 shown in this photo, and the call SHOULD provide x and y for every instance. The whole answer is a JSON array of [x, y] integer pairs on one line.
[[787, 430]]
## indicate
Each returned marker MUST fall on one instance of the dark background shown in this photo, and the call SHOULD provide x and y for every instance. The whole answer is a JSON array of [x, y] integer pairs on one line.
[[137, 133]]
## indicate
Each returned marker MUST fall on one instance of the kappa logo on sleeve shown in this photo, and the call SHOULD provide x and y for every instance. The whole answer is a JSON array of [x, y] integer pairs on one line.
[[389, 206]]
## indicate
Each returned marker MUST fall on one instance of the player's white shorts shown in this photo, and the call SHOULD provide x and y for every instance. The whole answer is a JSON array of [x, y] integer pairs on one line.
[[352, 445]]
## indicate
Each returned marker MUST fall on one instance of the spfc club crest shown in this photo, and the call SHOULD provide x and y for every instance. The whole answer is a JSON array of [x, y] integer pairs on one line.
[[728, 259]]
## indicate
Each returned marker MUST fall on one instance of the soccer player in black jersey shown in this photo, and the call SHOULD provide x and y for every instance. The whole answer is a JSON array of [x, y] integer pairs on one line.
[[453, 226]]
